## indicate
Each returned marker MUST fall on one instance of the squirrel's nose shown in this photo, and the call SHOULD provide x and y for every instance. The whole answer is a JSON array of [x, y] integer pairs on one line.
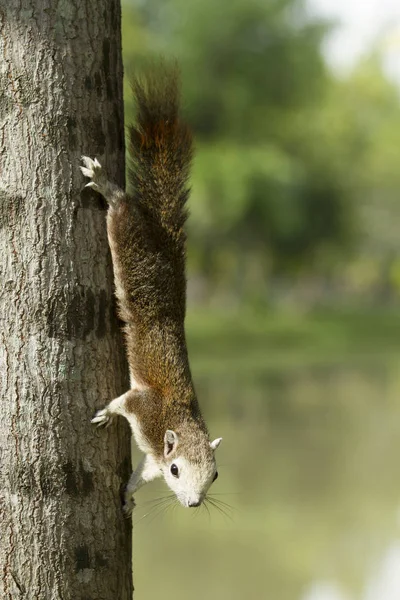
[[192, 504]]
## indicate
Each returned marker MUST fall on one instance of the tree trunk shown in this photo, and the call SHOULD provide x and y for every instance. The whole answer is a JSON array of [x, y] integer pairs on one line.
[[62, 531]]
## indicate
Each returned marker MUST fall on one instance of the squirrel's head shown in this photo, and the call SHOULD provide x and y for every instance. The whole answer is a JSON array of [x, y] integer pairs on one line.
[[189, 466]]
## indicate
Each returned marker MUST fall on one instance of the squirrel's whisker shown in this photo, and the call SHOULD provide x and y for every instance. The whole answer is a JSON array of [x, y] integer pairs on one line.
[[155, 510], [162, 510], [160, 498], [219, 508], [222, 503], [207, 510], [226, 494]]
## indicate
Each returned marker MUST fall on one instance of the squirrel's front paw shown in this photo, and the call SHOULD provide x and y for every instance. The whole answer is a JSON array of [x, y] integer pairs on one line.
[[102, 418], [93, 170], [129, 504]]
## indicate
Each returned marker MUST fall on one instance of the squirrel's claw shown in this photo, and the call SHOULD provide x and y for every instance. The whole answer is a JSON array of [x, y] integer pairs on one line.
[[86, 171], [128, 506], [98, 181], [102, 418], [92, 170], [90, 163], [92, 185]]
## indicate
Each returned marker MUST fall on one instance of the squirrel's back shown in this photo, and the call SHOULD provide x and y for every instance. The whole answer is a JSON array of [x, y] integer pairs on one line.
[[146, 230]]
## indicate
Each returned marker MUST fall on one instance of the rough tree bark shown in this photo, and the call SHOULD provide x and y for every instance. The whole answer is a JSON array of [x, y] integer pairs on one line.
[[62, 532]]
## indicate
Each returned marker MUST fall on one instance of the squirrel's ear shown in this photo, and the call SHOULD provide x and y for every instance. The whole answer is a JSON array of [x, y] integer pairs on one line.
[[214, 445], [170, 442]]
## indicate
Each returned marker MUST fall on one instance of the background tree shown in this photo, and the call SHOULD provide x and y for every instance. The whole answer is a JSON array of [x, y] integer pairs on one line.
[[295, 170], [62, 532], [266, 198]]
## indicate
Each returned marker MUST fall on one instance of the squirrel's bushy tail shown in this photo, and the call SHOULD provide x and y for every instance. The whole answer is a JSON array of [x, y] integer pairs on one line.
[[160, 148]]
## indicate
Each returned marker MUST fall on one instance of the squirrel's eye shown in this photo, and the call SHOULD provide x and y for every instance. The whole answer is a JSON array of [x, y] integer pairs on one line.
[[174, 470], [215, 476]]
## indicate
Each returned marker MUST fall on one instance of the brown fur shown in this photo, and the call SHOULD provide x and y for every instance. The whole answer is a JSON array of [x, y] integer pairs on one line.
[[147, 238]]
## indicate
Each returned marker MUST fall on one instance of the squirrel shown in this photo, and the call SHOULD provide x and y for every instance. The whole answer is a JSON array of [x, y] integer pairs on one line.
[[148, 244]]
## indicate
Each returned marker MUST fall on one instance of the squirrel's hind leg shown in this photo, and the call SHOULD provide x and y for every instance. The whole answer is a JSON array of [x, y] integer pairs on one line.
[[99, 182]]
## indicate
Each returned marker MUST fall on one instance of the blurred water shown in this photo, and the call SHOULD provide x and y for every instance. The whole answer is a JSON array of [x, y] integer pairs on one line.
[[309, 464]]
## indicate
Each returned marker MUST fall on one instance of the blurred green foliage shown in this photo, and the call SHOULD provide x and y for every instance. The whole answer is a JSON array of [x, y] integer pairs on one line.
[[295, 169]]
